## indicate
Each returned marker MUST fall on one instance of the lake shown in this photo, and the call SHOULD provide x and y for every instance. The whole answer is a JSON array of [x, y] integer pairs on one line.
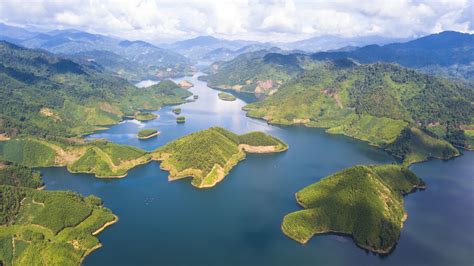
[[237, 222]]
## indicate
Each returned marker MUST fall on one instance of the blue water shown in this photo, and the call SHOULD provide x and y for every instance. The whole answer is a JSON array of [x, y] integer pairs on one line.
[[238, 221]]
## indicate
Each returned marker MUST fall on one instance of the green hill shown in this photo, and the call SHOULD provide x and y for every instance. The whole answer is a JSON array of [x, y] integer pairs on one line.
[[365, 202], [209, 155], [257, 72], [46, 95], [104, 159], [40, 227], [374, 103], [49, 227]]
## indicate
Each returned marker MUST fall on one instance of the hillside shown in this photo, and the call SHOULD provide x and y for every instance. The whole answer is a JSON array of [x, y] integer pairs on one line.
[[54, 228], [43, 94], [104, 159], [365, 202], [146, 60], [207, 156], [376, 103], [448, 53], [257, 72]]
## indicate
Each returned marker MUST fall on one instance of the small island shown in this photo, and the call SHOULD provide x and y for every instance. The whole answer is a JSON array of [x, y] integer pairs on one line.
[[144, 116], [226, 96], [180, 119], [207, 156], [184, 84], [147, 133], [176, 111], [365, 202], [196, 97]]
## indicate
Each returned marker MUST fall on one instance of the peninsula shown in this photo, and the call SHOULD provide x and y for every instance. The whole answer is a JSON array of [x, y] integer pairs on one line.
[[207, 156], [52, 227], [365, 202]]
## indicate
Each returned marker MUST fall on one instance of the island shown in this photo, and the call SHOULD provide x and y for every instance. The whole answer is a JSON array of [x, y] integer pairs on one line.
[[184, 84], [147, 133], [364, 202], [207, 156], [176, 111], [51, 227], [196, 97], [180, 119], [144, 116], [226, 96]]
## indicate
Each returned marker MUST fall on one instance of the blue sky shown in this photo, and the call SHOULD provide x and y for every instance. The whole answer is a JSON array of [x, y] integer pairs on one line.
[[277, 20]]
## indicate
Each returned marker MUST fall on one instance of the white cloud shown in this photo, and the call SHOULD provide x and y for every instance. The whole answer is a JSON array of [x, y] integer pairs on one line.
[[165, 20]]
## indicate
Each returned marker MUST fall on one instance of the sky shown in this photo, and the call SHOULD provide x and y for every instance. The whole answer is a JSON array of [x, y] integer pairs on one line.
[[161, 21]]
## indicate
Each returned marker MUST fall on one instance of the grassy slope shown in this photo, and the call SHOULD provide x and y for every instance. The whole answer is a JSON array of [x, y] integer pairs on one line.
[[210, 154], [374, 103], [146, 132], [363, 201]]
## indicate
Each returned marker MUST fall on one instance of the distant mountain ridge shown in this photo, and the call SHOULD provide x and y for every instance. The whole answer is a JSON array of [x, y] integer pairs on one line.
[[150, 60]]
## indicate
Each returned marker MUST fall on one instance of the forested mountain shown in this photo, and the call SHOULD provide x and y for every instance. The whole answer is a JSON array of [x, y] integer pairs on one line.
[[402, 110], [150, 61], [258, 72], [447, 53], [44, 94]]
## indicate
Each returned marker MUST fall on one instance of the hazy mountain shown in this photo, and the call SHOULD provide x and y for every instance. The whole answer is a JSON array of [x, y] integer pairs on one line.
[[447, 53], [150, 61], [330, 42]]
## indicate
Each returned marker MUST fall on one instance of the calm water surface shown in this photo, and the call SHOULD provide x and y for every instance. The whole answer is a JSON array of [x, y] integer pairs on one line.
[[238, 221]]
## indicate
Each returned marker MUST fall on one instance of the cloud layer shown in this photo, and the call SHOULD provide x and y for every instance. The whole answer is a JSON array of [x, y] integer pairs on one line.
[[273, 20]]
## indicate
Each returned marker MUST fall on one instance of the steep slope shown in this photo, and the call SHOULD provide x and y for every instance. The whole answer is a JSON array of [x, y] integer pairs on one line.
[[43, 94], [374, 103], [365, 202]]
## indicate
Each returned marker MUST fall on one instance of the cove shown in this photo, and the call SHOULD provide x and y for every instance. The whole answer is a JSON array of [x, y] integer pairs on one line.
[[238, 221]]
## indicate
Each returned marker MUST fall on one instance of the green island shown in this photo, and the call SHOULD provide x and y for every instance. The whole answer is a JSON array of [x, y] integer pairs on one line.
[[46, 227], [207, 156], [147, 133], [145, 116], [180, 119], [365, 202], [226, 96], [176, 111]]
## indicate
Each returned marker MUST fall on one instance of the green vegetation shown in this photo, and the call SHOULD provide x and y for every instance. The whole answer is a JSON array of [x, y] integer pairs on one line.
[[46, 95], [180, 119], [147, 133], [49, 227], [209, 155], [226, 96], [104, 159], [176, 111], [19, 176], [365, 202], [376, 103], [143, 116]]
